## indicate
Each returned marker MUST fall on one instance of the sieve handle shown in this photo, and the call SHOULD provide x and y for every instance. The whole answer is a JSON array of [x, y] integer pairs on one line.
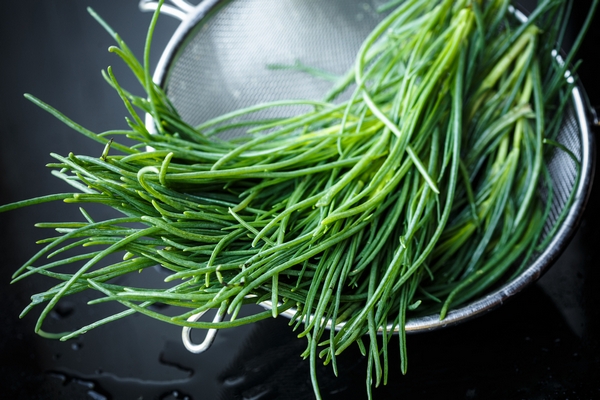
[[211, 334], [180, 9]]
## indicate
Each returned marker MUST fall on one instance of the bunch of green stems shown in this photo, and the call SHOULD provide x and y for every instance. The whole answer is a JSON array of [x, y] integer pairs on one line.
[[414, 196]]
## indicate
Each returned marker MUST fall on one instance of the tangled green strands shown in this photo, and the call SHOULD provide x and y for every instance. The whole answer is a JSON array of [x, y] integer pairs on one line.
[[411, 197]]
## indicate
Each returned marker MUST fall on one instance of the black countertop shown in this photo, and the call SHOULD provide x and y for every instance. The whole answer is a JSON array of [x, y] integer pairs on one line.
[[543, 344]]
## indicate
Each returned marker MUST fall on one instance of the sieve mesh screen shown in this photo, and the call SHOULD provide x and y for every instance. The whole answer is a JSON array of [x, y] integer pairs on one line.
[[227, 60]]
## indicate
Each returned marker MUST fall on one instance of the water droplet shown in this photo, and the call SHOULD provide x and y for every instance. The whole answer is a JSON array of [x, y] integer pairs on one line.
[[257, 393], [64, 379], [232, 381], [96, 396], [176, 395], [76, 346], [85, 383], [93, 389]]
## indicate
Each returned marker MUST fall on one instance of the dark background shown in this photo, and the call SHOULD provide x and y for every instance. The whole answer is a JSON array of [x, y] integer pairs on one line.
[[542, 345]]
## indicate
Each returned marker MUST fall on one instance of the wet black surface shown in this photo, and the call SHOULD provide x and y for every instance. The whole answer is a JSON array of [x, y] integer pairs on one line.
[[544, 344]]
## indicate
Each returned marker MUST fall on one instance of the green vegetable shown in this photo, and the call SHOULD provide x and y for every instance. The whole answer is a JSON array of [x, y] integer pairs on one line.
[[416, 195]]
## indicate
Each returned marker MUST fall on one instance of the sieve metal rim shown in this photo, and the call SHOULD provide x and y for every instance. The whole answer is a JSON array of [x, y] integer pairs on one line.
[[191, 15]]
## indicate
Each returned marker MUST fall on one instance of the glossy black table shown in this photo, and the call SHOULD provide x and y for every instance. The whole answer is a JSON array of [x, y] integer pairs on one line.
[[543, 344]]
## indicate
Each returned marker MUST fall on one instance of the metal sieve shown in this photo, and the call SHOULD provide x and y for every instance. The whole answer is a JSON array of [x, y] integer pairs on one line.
[[217, 61]]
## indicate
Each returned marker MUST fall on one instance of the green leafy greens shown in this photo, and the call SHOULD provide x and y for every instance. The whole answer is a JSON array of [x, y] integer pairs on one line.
[[414, 196]]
